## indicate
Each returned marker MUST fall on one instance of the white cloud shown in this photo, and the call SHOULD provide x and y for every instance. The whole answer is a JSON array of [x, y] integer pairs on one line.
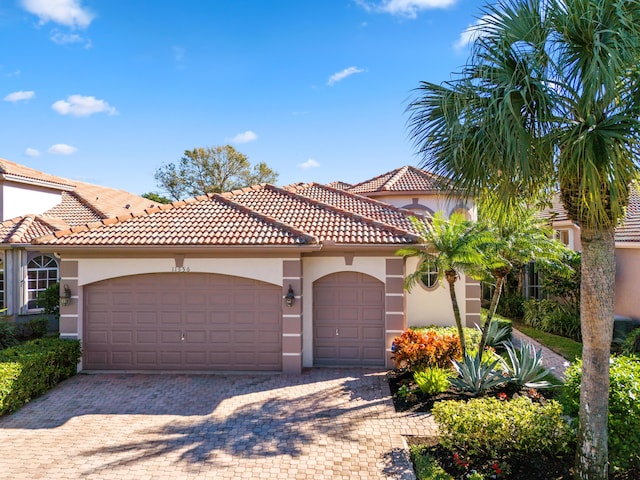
[[469, 35], [65, 38], [32, 152], [245, 137], [19, 96], [62, 149], [311, 163], [347, 72], [82, 106], [404, 8], [70, 13]]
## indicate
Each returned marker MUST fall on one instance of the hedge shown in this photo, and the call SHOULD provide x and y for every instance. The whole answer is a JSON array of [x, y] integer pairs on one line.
[[32, 368]]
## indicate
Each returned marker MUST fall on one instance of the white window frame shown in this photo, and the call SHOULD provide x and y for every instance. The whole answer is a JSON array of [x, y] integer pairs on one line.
[[45, 266], [432, 274]]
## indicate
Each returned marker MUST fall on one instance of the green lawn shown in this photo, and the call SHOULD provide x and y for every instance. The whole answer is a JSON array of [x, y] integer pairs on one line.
[[569, 349]]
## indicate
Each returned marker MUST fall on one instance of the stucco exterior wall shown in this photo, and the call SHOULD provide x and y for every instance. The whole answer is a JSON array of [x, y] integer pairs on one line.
[[263, 269], [20, 199], [627, 281], [432, 306]]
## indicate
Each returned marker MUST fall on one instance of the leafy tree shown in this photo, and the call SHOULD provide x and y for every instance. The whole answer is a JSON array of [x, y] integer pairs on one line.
[[560, 285], [550, 97], [521, 237], [211, 170], [156, 197], [454, 247]]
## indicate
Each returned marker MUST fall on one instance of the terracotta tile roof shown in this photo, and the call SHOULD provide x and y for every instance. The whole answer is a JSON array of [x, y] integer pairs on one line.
[[20, 172], [628, 231], [339, 185], [73, 210], [25, 229], [206, 220], [366, 207], [259, 215], [404, 179], [110, 202], [322, 220]]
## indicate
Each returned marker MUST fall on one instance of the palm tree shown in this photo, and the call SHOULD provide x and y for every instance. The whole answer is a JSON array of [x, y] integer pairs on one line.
[[550, 97], [453, 247], [521, 237]]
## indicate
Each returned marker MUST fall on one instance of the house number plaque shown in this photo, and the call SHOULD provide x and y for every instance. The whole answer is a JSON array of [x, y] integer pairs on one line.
[[180, 269]]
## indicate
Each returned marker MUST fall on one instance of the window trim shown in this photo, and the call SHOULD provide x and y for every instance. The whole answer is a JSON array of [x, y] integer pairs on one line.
[[435, 272], [46, 268]]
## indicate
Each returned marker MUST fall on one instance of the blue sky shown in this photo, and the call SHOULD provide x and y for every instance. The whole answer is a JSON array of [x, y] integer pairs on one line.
[[106, 91]]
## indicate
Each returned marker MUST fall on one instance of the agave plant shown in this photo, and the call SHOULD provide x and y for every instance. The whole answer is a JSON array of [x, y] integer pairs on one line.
[[525, 366], [496, 334], [475, 376]]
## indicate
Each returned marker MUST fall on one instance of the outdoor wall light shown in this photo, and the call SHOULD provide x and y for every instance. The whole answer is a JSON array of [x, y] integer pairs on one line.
[[290, 297], [65, 298]]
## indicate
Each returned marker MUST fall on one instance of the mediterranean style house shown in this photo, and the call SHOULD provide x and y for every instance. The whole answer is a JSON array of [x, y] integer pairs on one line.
[[264, 278], [627, 238]]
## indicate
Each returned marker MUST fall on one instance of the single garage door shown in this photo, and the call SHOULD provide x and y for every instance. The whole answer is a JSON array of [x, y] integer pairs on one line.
[[348, 320], [182, 321]]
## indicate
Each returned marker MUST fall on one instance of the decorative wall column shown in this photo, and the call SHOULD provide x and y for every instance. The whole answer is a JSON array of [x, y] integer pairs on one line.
[[292, 317], [395, 318], [473, 292], [69, 318]]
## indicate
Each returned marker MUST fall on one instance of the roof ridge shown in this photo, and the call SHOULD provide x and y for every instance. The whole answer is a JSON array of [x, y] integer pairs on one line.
[[270, 220], [344, 213], [395, 177], [23, 226], [88, 204], [371, 180]]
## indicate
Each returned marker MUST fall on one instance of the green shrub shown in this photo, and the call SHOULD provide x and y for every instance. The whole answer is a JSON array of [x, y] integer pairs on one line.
[[624, 408], [31, 369], [433, 380], [552, 317], [427, 467], [33, 328], [7, 334], [511, 306], [631, 345], [49, 299], [498, 429]]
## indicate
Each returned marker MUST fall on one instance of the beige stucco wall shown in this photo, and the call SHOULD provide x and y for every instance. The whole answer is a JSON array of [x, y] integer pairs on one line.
[[263, 269], [435, 202], [433, 306], [20, 199], [627, 281]]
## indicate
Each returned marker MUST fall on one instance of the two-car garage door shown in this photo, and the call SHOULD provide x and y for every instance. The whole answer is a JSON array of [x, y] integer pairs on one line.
[[182, 321]]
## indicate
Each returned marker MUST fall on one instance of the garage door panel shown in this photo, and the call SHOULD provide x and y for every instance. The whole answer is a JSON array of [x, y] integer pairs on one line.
[[353, 304], [237, 323]]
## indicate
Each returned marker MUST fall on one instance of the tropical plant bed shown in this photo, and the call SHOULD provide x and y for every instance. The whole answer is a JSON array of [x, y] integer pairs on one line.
[[402, 381]]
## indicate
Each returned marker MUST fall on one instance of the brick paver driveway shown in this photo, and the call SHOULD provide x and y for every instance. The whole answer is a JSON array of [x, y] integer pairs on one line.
[[326, 423]]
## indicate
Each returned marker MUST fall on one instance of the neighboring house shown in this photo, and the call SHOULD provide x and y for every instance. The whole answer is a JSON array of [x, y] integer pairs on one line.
[[34, 204], [627, 237], [264, 278]]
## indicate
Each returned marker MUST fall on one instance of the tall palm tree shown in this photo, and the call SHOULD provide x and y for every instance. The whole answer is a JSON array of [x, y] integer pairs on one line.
[[521, 237], [454, 247], [550, 97]]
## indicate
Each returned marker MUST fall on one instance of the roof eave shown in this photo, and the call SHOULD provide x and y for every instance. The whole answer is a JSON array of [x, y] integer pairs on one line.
[[38, 183]]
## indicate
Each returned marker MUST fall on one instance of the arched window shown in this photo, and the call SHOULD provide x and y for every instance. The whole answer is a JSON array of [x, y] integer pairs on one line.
[[429, 277], [42, 272]]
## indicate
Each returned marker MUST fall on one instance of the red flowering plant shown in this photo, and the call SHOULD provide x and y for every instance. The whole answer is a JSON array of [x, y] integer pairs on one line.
[[414, 350]]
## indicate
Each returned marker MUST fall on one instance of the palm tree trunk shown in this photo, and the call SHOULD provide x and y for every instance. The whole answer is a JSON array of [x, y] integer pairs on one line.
[[451, 279], [596, 320], [495, 298]]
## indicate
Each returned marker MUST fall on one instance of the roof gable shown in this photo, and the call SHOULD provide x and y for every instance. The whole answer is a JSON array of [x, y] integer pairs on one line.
[[20, 173], [404, 179]]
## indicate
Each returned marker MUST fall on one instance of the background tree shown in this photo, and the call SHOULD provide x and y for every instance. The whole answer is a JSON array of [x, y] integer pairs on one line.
[[211, 170], [550, 97], [156, 197], [454, 247]]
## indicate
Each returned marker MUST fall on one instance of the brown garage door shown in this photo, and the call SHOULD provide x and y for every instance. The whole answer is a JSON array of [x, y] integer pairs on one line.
[[348, 320], [182, 321]]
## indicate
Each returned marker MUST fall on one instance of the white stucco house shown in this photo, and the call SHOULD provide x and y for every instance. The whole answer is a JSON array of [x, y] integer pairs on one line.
[[260, 279]]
